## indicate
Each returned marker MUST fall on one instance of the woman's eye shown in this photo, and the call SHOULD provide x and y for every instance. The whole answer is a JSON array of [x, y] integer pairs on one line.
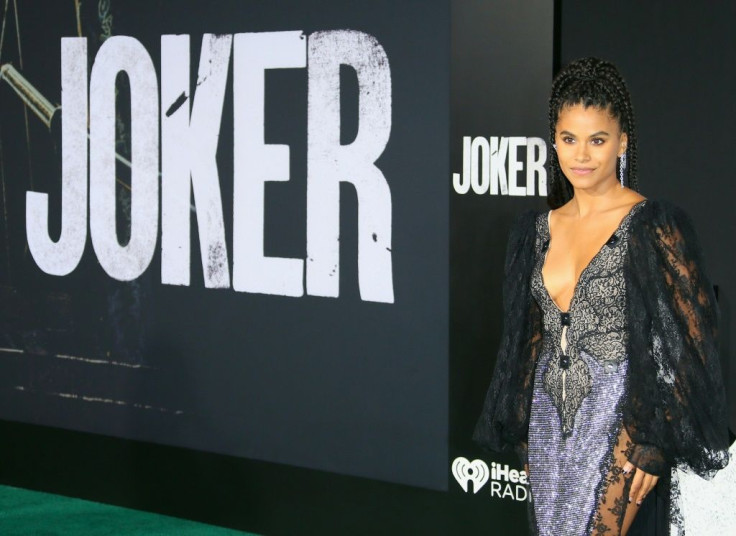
[[597, 141], [568, 139]]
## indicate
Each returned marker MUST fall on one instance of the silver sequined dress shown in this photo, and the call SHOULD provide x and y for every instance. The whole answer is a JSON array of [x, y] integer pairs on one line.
[[579, 384]]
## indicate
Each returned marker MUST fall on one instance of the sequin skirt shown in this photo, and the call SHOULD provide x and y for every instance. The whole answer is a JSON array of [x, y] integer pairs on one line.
[[566, 474]]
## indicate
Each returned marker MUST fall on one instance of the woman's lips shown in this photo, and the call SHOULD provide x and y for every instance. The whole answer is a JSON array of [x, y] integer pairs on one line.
[[582, 171]]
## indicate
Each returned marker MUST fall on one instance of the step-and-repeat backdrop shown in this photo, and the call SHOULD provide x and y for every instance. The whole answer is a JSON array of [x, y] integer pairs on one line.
[[501, 72], [270, 230]]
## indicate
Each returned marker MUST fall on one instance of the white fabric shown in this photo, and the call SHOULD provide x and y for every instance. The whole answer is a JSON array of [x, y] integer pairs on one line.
[[709, 507]]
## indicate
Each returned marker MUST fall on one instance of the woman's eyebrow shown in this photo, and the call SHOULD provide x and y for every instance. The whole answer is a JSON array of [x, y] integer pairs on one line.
[[599, 133]]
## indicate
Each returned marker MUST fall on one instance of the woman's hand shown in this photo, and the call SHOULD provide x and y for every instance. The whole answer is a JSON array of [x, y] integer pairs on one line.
[[641, 484]]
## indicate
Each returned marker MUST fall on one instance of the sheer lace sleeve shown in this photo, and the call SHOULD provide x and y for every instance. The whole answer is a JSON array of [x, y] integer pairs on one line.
[[675, 411], [504, 421]]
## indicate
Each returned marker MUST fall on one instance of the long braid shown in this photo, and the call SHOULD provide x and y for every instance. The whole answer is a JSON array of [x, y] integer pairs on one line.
[[560, 190], [590, 82], [632, 154], [627, 124]]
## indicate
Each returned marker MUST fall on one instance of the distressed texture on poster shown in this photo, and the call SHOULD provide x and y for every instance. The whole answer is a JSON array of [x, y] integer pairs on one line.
[[263, 238]]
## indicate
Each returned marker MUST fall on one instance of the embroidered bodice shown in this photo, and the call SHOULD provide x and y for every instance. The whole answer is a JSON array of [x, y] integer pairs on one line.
[[595, 322]]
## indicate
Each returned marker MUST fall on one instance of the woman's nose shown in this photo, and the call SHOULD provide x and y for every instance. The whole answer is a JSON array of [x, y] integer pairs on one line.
[[581, 152]]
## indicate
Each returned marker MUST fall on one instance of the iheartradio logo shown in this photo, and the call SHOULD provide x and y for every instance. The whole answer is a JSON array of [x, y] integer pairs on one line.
[[505, 482], [466, 471]]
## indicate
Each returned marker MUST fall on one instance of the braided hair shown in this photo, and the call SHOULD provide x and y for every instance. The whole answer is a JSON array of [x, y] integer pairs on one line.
[[597, 83]]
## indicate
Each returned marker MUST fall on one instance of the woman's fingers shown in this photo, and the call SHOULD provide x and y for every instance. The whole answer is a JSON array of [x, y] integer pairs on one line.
[[648, 482], [641, 484], [636, 483]]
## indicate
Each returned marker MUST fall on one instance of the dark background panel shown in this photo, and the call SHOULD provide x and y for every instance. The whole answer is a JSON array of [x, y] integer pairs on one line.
[[679, 61], [502, 60], [339, 384], [501, 71]]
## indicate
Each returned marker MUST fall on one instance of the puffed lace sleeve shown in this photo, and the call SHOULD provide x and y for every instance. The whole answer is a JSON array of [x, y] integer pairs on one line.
[[675, 410], [504, 421]]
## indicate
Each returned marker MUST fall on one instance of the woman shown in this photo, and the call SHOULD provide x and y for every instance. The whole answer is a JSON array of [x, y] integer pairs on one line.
[[608, 373]]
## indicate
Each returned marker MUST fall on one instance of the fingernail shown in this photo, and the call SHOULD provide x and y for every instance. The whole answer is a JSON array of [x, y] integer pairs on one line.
[[629, 499], [638, 503]]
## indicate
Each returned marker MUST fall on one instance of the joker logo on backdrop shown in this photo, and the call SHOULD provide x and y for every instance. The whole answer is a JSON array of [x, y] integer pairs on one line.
[[505, 483], [494, 165], [190, 128]]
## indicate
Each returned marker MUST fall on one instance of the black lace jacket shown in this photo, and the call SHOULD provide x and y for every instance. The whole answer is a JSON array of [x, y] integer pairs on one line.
[[674, 407]]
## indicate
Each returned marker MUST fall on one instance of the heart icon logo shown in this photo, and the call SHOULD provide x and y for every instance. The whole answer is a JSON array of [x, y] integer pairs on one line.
[[466, 471]]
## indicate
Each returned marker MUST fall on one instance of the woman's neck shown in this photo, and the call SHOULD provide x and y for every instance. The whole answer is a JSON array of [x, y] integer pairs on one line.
[[585, 203]]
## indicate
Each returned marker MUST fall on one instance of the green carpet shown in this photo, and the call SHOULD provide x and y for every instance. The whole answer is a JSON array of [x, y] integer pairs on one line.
[[30, 513]]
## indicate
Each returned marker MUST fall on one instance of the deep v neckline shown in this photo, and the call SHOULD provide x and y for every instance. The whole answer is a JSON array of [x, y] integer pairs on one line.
[[548, 237]]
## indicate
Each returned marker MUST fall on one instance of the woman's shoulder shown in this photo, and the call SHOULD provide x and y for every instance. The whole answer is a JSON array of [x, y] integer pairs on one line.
[[664, 229], [660, 213]]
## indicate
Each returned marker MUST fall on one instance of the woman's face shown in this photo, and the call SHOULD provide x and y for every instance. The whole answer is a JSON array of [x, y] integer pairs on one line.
[[588, 142]]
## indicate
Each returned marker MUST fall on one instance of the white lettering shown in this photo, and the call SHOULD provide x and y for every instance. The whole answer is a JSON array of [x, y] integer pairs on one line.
[[188, 149], [123, 54], [494, 165], [499, 148], [257, 162], [63, 256], [480, 158], [535, 166], [460, 180], [190, 122], [329, 163], [503, 473], [515, 166], [514, 476]]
